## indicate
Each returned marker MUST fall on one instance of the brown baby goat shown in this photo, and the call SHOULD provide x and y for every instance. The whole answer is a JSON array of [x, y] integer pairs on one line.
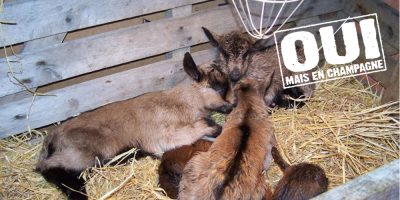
[[299, 182], [154, 122], [173, 162], [240, 56], [232, 167]]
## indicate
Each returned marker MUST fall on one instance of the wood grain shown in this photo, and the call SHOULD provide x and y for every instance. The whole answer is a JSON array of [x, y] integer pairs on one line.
[[40, 18], [113, 48]]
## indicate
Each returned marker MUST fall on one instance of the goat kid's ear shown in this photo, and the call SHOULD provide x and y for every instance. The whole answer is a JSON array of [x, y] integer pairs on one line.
[[212, 37], [190, 67], [242, 85], [258, 45]]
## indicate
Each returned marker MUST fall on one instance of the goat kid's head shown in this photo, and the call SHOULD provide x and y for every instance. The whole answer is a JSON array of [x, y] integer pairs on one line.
[[206, 75], [235, 51], [253, 86]]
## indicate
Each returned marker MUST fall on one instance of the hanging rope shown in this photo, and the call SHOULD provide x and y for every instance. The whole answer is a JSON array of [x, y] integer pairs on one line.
[[245, 15]]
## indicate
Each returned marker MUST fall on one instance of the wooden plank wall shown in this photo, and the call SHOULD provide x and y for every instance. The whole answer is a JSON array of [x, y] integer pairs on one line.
[[45, 60], [124, 45], [41, 18]]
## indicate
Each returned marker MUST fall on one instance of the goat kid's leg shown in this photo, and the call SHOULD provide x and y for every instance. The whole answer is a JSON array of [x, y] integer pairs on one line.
[[211, 123], [272, 94], [214, 102], [282, 164], [184, 136], [169, 181], [269, 158], [307, 90], [230, 96]]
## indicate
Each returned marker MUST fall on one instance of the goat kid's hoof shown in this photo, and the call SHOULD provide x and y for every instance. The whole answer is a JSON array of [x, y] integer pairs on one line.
[[218, 130], [226, 108]]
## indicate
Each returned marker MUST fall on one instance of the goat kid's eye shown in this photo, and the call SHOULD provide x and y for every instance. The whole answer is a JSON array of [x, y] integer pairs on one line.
[[224, 53], [246, 54]]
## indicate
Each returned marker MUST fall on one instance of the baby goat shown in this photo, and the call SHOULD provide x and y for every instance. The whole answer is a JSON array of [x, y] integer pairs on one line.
[[232, 167], [154, 122], [299, 182], [241, 57], [173, 162]]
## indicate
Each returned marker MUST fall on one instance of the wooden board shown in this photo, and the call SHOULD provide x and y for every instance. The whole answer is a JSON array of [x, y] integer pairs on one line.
[[40, 18], [380, 184], [182, 11], [81, 97], [42, 43], [30, 46], [113, 48]]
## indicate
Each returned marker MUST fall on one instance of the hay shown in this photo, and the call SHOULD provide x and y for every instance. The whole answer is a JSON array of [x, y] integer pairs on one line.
[[136, 179], [17, 177], [342, 128]]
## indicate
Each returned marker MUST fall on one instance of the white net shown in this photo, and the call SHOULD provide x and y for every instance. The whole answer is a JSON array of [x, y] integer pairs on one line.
[[261, 18]]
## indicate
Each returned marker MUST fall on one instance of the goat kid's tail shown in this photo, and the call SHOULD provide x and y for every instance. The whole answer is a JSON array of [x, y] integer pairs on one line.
[[283, 165]]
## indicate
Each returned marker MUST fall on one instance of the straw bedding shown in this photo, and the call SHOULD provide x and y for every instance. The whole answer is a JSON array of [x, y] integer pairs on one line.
[[342, 128]]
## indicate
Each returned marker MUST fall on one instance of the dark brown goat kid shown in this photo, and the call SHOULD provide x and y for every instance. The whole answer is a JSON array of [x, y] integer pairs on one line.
[[232, 167], [299, 182], [173, 162], [154, 122], [240, 56]]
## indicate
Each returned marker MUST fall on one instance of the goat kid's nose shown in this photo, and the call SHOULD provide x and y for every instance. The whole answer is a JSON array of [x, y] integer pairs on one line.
[[234, 75]]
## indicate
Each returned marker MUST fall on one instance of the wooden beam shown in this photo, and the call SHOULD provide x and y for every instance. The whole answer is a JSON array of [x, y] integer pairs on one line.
[[72, 100], [40, 18], [380, 184]]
